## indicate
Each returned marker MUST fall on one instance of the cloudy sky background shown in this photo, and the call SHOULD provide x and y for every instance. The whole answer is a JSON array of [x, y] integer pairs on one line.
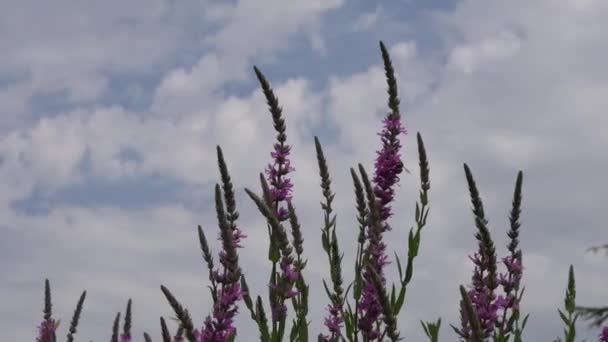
[[110, 113]]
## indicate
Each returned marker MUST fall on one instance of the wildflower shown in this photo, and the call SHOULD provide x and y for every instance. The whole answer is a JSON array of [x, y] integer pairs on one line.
[[225, 282], [604, 335], [388, 166], [46, 331], [281, 187], [219, 327], [333, 322], [126, 333], [484, 280], [280, 195]]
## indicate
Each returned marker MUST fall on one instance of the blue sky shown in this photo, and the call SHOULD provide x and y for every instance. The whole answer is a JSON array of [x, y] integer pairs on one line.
[[110, 114]]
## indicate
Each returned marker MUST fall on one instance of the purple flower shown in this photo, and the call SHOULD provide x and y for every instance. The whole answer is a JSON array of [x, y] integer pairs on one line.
[[281, 187], [333, 322], [388, 166], [284, 288], [511, 279], [279, 311], [125, 338], [484, 301], [46, 331], [219, 327], [604, 335]]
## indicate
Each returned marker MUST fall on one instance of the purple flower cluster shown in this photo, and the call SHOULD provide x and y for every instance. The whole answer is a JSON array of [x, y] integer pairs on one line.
[[125, 338], [510, 281], [388, 166], [482, 295], [220, 327], [281, 187], [485, 302], [284, 288], [334, 321], [46, 331], [604, 335]]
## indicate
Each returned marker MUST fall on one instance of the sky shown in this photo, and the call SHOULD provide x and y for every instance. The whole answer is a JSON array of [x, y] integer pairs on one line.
[[110, 114]]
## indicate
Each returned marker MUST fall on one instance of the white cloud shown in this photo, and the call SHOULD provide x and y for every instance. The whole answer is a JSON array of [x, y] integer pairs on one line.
[[367, 20], [468, 58]]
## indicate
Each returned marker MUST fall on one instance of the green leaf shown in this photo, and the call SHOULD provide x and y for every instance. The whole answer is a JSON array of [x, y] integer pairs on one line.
[[281, 330], [325, 241], [399, 268], [393, 294], [425, 216], [400, 300], [327, 289], [349, 329], [564, 318], [358, 286], [348, 323], [273, 249], [333, 221], [426, 331], [303, 330], [523, 325], [293, 335]]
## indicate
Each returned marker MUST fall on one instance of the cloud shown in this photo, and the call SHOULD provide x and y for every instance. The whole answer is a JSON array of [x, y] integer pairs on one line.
[[468, 58], [366, 20]]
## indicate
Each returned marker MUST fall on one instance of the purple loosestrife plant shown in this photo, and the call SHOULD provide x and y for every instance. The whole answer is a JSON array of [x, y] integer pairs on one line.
[[334, 319], [388, 166], [373, 306], [573, 314], [484, 281], [286, 281], [282, 285], [485, 303], [431, 329], [166, 335], [373, 258], [569, 306], [126, 329], [510, 281], [115, 328], [47, 330], [125, 336], [225, 282], [604, 335]]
